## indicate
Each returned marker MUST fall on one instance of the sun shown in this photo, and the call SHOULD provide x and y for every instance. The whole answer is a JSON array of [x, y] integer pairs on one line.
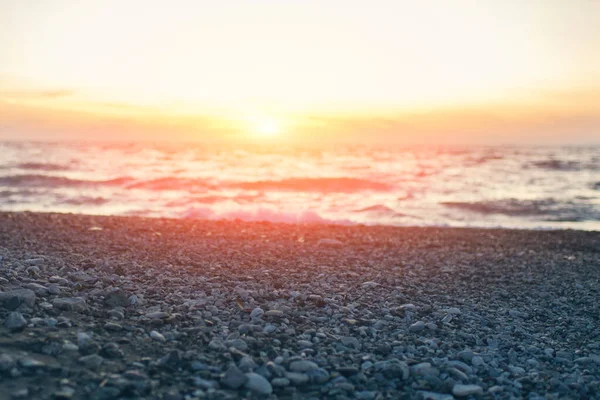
[[266, 127]]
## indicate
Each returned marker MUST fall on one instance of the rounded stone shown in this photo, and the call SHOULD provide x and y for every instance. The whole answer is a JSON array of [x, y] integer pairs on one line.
[[258, 384]]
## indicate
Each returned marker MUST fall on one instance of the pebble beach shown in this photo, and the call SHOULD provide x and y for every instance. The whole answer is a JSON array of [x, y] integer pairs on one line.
[[103, 307]]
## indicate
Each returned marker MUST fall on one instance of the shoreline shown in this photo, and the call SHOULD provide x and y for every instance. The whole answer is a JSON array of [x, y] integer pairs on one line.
[[315, 224], [99, 307]]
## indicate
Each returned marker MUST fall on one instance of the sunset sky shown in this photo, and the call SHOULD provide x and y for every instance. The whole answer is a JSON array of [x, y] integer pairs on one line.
[[406, 71]]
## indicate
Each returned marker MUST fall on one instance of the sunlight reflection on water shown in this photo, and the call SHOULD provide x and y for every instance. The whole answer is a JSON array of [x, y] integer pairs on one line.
[[521, 187]]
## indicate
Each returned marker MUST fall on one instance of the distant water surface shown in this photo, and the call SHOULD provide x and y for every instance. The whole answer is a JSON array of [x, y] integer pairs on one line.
[[518, 187]]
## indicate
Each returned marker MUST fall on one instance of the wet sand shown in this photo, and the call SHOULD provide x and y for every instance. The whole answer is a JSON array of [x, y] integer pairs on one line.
[[123, 307]]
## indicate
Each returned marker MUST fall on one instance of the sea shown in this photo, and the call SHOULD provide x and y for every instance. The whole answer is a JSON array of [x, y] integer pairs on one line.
[[522, 187]]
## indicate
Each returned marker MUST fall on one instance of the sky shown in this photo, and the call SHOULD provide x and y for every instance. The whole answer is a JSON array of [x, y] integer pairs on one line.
[[428, 71]]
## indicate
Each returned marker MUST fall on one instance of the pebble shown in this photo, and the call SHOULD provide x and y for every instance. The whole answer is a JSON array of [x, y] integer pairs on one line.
[[33, 270], [239, 344], [70, 346], [38, 289], [258, 384], [302, 366], [303, 344], [53, 288], [217, 344], [77, 304], [393, 368], [11, 300], [234, 378], [318, 376], [280, 382], [15, 321], [457, 374], [257, 313], [466, 355], [460, 390], [31, 363], [157, 315], [424, 395], [6, 362], [157, 336], [274, 313], [113, 326], [297, 378], [116, 314], [417, 326], [34, 261], [111, 350], [132, 300], [350, 341], [64, 393], [92, 361], [83, 339], [116, 298], [424, 369], [247, 364], [477, 361]]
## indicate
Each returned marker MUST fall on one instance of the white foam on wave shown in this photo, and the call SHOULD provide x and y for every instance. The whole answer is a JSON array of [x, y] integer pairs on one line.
[[262, 214]]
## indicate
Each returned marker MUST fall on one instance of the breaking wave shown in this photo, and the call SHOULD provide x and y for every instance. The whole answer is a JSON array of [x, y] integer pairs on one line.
[[323, 185], [262, 214]]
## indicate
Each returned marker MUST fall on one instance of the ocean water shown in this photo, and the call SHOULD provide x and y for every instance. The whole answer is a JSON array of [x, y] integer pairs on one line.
[[516, 187]]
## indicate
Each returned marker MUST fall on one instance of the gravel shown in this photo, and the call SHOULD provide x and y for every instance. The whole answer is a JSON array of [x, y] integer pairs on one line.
[[186, 309]]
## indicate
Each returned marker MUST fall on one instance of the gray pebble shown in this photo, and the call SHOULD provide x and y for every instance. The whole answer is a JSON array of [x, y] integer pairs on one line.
[[417, 326], [460, 390], [234, 378], [116, 298], [157, 336], [258, 384], [302, 366], [92, 361], [14, 298], [280, 382], [257, 313], [297, 378], [77, 304], [15, 321]]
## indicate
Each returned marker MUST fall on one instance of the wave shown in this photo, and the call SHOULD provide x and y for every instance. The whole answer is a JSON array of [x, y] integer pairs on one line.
[[213, 199], [378, 208], [85, 201], [323, 185], [34, 180], [306, 217], [547, 209], [563, 165], [192, 185], [44, 166], [171, 183], [381, 211]]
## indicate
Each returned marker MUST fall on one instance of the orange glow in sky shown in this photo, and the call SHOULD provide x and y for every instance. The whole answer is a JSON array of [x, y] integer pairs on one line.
[[395, 69]]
